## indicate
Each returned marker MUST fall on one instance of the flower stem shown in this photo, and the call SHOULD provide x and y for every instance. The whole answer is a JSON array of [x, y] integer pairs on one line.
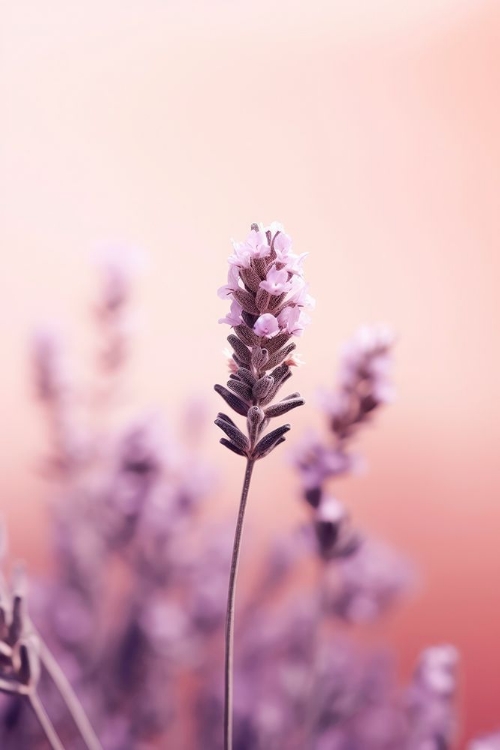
[[70, 698], [45, 722], [228, 673]]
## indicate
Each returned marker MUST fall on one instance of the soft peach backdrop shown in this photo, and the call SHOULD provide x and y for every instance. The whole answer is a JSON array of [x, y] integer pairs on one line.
[[370, 129]]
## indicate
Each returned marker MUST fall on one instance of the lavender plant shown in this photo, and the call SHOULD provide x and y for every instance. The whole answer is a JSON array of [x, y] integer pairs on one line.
[[268, 293], [135, 608], [121, 535]]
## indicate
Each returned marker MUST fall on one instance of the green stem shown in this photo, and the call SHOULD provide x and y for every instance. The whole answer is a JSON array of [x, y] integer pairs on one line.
[[45, 722], [229, 654]]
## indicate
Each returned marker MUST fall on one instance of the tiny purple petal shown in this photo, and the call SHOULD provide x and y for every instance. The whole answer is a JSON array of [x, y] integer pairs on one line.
[[276, 281], [233, 318], [256, 245], [267, 325], [294, 263], [288, 317], [232, 283], [300, 295], [282, 246], [293, 319], [301, 323], [242, 255]]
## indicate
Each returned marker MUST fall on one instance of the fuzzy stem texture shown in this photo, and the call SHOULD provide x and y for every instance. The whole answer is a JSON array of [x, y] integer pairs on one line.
[[229, 653], [48, 729]]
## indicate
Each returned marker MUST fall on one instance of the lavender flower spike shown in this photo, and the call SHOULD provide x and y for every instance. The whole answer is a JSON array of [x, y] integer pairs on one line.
[[264, 319], [430, 700], [269, 297]]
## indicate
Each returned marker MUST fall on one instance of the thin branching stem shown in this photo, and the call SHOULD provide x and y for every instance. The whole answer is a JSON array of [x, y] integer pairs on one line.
[[45, 722], [70, 698], [229, 656]]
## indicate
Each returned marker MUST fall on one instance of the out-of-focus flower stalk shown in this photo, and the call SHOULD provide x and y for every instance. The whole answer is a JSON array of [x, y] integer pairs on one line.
[[20, 654], [69, 697], [44, 721], [431, 699]]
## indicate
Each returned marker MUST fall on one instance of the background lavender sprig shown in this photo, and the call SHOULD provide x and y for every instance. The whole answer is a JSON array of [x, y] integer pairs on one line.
[[361, 577], [430, 700], [364, 385]]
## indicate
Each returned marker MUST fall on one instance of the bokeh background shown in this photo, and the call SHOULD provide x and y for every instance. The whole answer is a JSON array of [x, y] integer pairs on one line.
[[370, 129]]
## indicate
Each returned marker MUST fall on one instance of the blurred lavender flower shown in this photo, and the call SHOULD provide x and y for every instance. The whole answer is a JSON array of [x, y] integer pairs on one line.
[[364, 384], [364, 585], [135, 607], [488, 742], [431, 698], [361, 578], [118, 267], [54, 390]]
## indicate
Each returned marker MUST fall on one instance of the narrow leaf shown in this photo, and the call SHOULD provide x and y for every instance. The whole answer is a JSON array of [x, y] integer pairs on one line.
[[232, 447], [233, 433], [232, 400], [268, 442], [241, 389], [280, 355], [277, 385], [225, 418], [241, 349], [282, 407], [246, 376], [265, 452], [262, 387], [279, 372], [272, 345]]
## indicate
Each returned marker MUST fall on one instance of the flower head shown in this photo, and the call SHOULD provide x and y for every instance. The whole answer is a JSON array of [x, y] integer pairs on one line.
[[268, 297]]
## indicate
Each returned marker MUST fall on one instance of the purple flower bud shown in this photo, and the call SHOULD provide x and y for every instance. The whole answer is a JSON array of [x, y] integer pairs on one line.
[[266, 325]]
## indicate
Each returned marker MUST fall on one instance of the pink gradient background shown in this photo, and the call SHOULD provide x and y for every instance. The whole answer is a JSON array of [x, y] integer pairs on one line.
[[371, 129]]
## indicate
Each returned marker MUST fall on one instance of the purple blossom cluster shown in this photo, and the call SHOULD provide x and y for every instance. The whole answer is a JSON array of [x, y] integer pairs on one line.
[[265, 281], [134, 608], [431, 697], [362, 578], [269, 297]]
